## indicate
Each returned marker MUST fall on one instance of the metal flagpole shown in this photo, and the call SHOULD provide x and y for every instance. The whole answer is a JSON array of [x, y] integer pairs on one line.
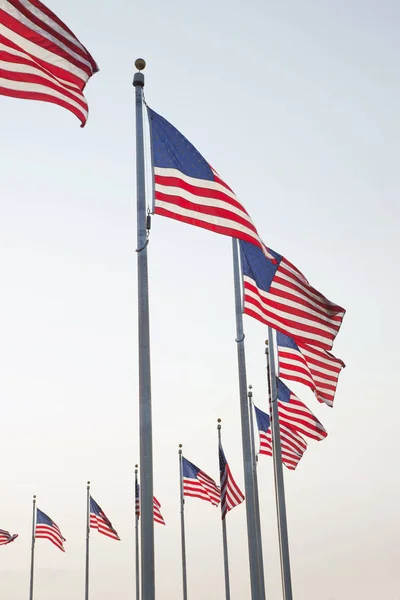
[[278, 469], [32, 548], [183, 540], [224, 536], [137, 539], [256, 497], [87, 540], [145, 417], [246, 445]]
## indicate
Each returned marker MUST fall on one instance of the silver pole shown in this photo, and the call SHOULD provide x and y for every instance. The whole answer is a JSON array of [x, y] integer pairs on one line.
[[137, 563], [246, 445], [32, 548], [183, 539], [224, 535], [256, 498], [87, 540], [278, 469], [145, 417]]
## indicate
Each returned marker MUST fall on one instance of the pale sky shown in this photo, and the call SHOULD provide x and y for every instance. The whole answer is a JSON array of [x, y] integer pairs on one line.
[[296, 106]]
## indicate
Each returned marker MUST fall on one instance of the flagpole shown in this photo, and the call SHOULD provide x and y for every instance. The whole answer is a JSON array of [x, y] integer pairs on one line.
[[137, 540], [246, 445], [224, 535], [278, 469], [32, 548], [256, 497], [183, 539], [145, 416], [87, 540]]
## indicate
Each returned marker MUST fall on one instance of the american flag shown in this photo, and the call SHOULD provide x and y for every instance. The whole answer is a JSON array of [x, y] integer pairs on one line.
[[198, 484], [281, 297], [41, 59], [292, 445], [314, 367], [231, 495], [188, 189], [294, 414], [6, 537], [46, 529], [158, 518], [99, 521]]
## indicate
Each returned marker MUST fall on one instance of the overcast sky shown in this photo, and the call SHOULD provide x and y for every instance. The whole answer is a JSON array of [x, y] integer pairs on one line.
[[297, 107]]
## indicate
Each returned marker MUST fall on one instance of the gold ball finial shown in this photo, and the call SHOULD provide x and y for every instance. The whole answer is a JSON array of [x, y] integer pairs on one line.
[[180, 445], [219, 420], [140, 64], [136, 466], [266, 342]]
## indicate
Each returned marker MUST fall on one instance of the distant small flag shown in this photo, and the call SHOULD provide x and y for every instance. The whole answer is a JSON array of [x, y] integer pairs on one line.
[[314, 367], [294, 414], [41, 59], [198, 484], [280, 296], [231, 494], [99, 521], [292, 445], [189, 190], [158, 518], [46, 529], [6, 537]]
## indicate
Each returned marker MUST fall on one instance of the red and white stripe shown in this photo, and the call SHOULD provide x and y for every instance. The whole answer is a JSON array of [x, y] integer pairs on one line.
[[6, 537], [298, 417], [231, 494], [203, 487], [52, 533], [208, 204], [292, 446], [41, 59], [314, 367], [103, 526], [158, 518], [294, 307]]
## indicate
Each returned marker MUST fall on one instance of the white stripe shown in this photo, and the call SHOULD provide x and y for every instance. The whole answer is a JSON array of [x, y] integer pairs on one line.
[[14, 12], [41, 89], [211, 219], [32, 70], [201, 183], [42, 53], [53, 24]]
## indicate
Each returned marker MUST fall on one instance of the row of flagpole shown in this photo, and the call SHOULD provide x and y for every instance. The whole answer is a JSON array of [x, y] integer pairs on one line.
[[145, 411]]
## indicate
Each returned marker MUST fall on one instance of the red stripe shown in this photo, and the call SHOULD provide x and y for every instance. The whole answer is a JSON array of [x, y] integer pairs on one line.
[[77, 49]]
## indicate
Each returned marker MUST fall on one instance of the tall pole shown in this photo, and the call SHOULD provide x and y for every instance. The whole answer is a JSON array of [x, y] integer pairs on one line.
[[87, 540], [256, 498], [224, 536], [183, 539], [137, 563], [32, 548], [278, 469], [246, 445], [145, 417]]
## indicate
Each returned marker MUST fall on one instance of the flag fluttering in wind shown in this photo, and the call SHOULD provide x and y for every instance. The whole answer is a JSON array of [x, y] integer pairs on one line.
[[280, 296], [41, 59], [6, 537], [292, 445], [231, 494], [46, 529], [158, 518], [314, 367], [296, 415], [99, 521], [188, 189], [198, 484]]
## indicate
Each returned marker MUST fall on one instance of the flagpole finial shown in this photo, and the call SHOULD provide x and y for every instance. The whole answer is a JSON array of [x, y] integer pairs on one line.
[[136, 466], [88, 483], [34, 496], [140, 64], [180, 449]]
